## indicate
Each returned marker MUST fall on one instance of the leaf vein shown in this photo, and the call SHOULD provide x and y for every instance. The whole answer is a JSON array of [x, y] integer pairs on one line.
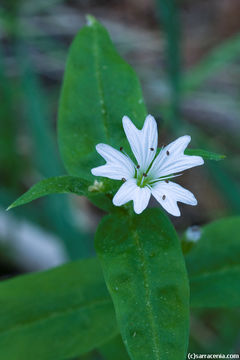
[[156, 344], [214, 272], [55, 314], [99, 83]]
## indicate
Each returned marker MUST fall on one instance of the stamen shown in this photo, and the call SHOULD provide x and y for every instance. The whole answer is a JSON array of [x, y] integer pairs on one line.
[[124, 180], [166, 181], [164, 197], [144, 174], [164, 178], [168, 153], [138, 166], [156, 155], [121, 148]]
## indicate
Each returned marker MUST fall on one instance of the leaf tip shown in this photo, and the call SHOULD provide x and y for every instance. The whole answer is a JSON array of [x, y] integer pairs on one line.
[[90, 20]]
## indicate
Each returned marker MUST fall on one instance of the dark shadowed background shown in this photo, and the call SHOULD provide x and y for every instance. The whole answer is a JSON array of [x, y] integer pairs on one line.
[[187, 55]]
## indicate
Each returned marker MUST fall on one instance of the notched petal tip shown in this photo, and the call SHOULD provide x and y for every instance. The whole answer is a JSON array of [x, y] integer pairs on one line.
[[201, 161], [116, 201], [126, 120], [180, 144], [150, 118], [177, 215], [194, 201], [173, 213], [184, 140], [125, 193], [94, 171], [138, 211], [150, 123], [141, 199], [194, 160], [187, 137], [100, 147]]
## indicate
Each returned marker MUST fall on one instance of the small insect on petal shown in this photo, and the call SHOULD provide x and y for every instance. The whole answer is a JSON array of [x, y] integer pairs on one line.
[[152, 149], [166, 181], [123, 179], [168, 153], [164, 197]]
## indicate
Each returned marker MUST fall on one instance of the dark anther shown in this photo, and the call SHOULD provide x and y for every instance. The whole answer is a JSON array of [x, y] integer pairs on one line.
[[145, 175], [123, 179], [166, 181], [138, 166], [164, 197], [168, 153], [152, 149], [121, 148]]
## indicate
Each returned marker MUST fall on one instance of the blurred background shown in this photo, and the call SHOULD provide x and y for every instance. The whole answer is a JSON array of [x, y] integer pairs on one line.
[[187, 55]]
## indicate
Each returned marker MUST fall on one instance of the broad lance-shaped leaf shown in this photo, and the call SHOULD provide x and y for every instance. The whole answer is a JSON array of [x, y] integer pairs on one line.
[[99, 88], [214, 265], [37, 309], [57, 314], [207, 155], [145, 274], [114, 349], [64, 185]]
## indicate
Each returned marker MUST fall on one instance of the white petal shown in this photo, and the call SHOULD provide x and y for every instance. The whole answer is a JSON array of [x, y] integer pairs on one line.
[[179, 145], [141, 199], [168, 194], [171, 159], [130, 191], [109, 172], [125, 192], [118, 165], [142, 141]]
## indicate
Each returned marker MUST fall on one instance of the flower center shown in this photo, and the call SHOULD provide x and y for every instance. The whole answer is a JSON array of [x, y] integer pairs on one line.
[[142, 175], [143, 179]]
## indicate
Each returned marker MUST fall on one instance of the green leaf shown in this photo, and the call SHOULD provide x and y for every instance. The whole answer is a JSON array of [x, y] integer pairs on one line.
[[64, 185], [114, 349], [99, 88], [56, 314], [214, 265], [145, 274], [206, 155], [55, 185]]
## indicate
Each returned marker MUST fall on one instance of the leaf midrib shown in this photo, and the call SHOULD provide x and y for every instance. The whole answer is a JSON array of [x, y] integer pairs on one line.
[[156, 344], [99, 82], [215, 272]]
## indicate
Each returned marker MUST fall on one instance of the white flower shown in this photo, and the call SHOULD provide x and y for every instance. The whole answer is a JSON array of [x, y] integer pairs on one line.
[[152, 173]]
